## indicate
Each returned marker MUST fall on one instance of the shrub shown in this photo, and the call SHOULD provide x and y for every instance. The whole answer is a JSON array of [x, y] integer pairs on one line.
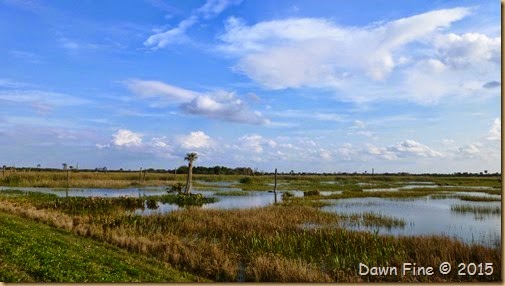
[[246, 180]]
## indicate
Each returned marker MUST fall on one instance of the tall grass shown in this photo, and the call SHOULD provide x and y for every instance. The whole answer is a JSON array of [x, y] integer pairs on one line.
[[476, 209]]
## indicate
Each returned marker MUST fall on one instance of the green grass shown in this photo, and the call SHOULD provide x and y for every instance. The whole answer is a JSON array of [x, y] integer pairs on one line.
[[34, 252]]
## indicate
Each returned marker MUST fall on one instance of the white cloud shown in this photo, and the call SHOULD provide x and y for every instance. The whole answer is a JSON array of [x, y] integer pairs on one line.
[[325, 53], [124, 137], [160, 90], [325, 154], [220, 104], [468, 49], [255, 143], [415, 148], [346, 151], [175, 35], [195, 140], [495, 131], [225, 106], [407, 148]]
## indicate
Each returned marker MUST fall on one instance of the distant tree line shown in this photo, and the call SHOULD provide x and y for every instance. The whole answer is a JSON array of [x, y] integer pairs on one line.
[[247, 171]]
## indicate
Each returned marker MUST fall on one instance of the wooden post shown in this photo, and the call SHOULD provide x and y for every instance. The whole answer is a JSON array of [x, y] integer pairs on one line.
[[3, 171], [140, 175], [275, 185]]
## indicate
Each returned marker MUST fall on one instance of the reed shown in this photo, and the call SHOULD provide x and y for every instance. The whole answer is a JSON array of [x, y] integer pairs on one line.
[[476, 209]]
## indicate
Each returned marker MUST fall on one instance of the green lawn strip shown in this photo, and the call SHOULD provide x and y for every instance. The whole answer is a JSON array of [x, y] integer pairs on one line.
[[33, 251]]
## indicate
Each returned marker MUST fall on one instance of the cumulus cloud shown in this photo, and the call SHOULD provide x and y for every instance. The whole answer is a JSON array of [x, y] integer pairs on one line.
[[124, 137], [255, 143], [407, 148], [225, 106], [325, 53], [220, 104], [175, 35], [194, 140], [495, 131], [468, 49]]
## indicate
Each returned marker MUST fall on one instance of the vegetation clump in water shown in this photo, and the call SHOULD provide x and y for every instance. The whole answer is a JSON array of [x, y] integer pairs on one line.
[[311, 193]]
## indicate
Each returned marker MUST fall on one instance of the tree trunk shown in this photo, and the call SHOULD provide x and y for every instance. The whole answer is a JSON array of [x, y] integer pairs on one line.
[[190, 175]]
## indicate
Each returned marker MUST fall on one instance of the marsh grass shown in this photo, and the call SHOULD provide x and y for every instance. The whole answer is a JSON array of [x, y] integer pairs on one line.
[[479, 199], [476, 209], [372, 219], [267, 242]]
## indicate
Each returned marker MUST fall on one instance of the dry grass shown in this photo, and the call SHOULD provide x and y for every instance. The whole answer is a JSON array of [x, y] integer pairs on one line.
[[270, 267]]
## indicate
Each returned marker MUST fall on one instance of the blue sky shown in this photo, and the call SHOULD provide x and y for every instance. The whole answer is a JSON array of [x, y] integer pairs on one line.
[[326, 86]]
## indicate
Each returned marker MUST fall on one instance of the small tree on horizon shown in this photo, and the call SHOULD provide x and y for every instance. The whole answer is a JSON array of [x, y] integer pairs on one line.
[[190, 157]]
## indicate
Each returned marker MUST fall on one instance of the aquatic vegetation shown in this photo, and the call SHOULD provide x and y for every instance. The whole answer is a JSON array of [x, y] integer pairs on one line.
[[476, 209], [185, 199], [479, 199], [311, 193], [372, 219]]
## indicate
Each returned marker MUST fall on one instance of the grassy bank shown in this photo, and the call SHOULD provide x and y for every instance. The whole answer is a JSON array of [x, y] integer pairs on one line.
[[36, 252]]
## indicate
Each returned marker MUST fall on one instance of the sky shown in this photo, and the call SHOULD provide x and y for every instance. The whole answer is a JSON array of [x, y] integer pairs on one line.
[[308, 86]]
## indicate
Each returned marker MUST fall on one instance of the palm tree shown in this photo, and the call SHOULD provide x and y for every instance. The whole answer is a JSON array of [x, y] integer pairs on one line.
[[190, 157]]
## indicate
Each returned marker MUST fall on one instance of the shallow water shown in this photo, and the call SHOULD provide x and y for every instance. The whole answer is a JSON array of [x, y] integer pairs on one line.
[[94, 192], [425, 216]]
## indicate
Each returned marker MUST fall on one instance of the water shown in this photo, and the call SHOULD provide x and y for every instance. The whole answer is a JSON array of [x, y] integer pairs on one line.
[[425, 216], [93, 192], [217, 184], [253, 199]]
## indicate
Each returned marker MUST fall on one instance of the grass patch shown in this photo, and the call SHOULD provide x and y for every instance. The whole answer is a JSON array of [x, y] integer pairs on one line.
[[34, 252], [479, 199], [372, 219], [476, 209]]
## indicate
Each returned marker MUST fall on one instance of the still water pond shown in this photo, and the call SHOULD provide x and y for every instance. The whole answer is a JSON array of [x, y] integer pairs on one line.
[[426, 216]]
